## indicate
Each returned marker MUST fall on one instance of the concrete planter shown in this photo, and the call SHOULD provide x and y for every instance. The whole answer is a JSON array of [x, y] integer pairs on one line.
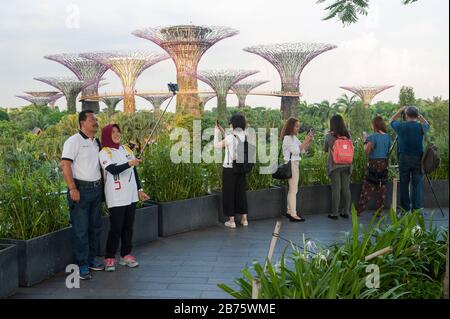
[[42, 257], [262, 203], [9, 270], [187, 215], [145, 227], [317, 199]]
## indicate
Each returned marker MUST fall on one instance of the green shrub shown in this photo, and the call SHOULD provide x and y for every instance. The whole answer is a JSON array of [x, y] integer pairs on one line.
[[414, 268], [30, 202], [166, 181]]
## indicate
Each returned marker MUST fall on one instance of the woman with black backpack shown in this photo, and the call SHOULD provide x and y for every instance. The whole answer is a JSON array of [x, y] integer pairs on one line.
[[377, 147], [234, 195]]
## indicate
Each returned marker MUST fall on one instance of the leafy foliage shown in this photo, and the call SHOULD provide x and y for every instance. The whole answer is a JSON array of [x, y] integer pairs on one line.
[[348, 11], [413, 269]]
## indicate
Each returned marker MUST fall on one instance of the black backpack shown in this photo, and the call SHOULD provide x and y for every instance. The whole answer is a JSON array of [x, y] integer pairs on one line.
[[245, 157], [430, 159]]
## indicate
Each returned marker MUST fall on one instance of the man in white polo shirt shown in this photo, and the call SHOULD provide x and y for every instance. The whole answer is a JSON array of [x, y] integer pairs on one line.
[[82, 173]]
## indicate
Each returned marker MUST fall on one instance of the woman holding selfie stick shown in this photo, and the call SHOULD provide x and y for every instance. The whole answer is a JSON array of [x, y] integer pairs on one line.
[[292, 147], [122, 192]]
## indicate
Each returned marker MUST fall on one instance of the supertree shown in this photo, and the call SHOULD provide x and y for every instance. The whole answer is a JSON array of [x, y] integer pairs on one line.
[[366, 93], [69, 86], [186, 44], [40, 100], [221, 81], [42, 93], [128, 65], [204, 98], [55, 95], [111, 102], [85, 70], [241, 89], [156, 100], [290, 59]]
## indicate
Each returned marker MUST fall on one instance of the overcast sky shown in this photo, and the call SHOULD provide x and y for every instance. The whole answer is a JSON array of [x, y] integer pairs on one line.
[[394, 44]]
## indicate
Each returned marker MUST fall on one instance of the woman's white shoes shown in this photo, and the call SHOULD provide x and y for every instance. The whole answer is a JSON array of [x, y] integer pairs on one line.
[[233, 224], [230, 224]]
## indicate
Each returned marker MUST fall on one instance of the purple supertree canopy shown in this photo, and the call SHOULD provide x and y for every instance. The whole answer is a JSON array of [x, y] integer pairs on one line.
[[368, 92], [290, 59], [84, 69], [157, 99], [69, 86], [222, 80], [126, 63], [186, 44], [41, 93], [241, 89], [189, 40], [37, 100], [245, 87]]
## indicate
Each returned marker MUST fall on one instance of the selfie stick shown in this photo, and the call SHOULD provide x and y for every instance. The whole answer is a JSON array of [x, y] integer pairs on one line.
[[173, 88]]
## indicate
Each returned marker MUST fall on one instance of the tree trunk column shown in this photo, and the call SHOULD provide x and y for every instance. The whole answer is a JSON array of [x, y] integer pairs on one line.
[[187, 103], [289, 103], [92, 105], [129, 104], [71, 103], [241, 99], [222, 113]]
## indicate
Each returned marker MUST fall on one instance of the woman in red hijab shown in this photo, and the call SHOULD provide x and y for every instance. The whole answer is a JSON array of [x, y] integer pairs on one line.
[[122, 192]]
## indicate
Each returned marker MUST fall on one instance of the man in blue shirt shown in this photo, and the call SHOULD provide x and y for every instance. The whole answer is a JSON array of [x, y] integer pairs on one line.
[[410, 135]]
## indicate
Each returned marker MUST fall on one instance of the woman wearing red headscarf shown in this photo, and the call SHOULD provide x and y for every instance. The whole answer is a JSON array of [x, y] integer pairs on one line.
[[122, 192]]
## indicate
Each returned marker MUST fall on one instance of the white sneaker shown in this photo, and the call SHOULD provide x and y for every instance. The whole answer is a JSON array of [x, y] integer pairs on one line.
[[230, 224], [244, 223]]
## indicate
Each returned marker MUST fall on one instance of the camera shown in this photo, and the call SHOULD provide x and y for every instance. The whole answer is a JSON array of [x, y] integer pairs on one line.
[[173, 87]]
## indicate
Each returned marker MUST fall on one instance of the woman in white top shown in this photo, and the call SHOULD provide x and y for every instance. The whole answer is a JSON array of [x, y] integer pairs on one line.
[[122, 192], [292, 147], [234, 196]]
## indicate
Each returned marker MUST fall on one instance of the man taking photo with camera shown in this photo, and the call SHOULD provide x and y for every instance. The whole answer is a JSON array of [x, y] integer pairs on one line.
[[410, 133]]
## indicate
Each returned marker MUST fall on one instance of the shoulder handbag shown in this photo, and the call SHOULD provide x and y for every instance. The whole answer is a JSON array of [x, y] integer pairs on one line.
[[284, 171]]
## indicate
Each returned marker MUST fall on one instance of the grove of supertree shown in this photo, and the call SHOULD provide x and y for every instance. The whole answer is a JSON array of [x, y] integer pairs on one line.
[[85, 70], [241, 89], [221, 82], [290, 59], [128, 65], [366, 93], [186, 44], [111, 102], [156, 100], [69, 86]]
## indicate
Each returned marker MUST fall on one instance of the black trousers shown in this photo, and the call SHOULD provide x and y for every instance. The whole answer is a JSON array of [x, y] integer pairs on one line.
[[120, 230], [234, 193]]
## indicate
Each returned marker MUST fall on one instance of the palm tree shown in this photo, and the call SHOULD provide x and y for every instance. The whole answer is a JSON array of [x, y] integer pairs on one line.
[[436, 100], [345, 103], [324, 110]]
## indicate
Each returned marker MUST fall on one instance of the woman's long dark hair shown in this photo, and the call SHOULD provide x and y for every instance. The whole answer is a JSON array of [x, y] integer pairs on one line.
[[337, 126], [379, 124], [288, 128]]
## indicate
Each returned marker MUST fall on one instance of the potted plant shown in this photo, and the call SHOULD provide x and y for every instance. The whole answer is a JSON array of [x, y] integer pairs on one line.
[[9, 272], [179, 190], [33, 216]]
